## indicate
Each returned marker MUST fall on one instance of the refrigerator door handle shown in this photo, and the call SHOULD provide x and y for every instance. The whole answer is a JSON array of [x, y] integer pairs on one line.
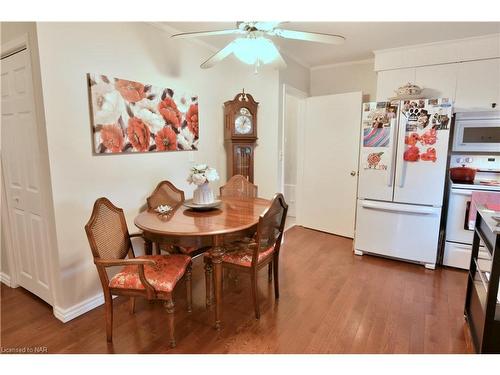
[[382, 206], [390, 173], [401, 163]]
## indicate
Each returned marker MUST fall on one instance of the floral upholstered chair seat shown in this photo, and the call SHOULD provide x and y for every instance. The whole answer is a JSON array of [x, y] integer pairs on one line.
[[162, 276], [241, 252]]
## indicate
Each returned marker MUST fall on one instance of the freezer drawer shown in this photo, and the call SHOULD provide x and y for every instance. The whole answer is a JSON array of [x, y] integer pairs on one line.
[[458, 255], [402, 231]]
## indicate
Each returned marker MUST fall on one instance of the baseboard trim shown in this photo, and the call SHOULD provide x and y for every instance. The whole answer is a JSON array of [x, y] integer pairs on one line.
[[65, 315], [4, 278]]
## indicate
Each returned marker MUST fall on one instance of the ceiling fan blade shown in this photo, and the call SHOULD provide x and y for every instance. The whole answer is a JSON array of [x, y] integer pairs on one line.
[[207, 33], [308, 36], [218, 56]]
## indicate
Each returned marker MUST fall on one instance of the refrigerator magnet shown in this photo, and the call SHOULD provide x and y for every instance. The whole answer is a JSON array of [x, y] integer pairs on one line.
[[374, 161]]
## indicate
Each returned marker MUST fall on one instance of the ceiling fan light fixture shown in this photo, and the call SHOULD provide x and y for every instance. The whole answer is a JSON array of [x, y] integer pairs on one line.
[[255, 50]]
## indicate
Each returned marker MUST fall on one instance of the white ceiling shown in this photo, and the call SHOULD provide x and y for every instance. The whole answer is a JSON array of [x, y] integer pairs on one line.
[[361, 37]]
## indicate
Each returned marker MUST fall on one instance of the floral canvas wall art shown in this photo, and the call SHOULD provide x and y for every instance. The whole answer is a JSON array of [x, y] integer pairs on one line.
[[129, 117]]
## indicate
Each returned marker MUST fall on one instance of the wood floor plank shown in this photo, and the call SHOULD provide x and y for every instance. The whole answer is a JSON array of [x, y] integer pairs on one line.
[[331, 301]]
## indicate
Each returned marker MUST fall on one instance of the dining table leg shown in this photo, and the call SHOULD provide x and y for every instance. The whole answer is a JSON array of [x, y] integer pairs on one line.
[[216, 255]]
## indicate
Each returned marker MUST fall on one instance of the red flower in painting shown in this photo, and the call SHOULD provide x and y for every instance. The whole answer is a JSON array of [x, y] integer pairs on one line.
[[166, 140], [112, 138], [192, 119], [138, 134], [130, 91], [170, 113]]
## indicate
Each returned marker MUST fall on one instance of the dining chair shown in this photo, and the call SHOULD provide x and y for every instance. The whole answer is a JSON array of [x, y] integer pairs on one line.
[[167, 193], [238, 187], [264, 250], [149, 276]]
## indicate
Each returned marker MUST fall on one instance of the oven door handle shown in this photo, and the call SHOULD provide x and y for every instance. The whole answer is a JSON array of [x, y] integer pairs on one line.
[[466, 219]]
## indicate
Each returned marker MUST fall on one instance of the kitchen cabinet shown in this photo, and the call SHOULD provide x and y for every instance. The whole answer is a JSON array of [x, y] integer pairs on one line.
[[438, 81], [478, 85], [390, 80]]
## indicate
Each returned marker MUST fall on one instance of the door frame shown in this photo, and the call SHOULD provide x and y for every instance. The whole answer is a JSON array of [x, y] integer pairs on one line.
[[8, 48], [301, 95]]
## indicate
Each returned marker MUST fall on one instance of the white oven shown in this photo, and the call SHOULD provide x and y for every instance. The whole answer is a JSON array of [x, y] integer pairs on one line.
[[477, 132], [458, 243], [458, 246]]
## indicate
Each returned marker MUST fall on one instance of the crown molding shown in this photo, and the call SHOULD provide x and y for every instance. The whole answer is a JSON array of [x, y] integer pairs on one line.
[[344, 63]]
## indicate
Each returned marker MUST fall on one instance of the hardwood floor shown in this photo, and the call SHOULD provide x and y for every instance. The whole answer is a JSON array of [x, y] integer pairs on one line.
[[330, 302]]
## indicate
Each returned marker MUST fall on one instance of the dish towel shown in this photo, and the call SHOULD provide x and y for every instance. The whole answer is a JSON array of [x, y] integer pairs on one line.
[[490, 200]]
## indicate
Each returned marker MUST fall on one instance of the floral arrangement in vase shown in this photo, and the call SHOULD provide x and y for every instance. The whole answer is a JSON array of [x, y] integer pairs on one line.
[[201, 175]]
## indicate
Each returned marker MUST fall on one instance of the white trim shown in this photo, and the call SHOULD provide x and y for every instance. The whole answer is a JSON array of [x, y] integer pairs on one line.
[[65, 315], [345, 63], [438, 43], [4, 278]]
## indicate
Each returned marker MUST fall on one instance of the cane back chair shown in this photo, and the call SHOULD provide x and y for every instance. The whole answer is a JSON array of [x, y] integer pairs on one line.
[[166, 193], [263, 250], [149, 276]]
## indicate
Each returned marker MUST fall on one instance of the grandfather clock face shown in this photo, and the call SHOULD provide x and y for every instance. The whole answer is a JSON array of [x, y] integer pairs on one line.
[[243, 123]]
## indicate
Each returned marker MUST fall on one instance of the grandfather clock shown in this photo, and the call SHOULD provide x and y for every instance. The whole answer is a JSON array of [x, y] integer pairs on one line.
[[240, 134]]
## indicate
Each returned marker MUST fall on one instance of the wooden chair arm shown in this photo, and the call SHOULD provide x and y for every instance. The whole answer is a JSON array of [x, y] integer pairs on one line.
[[123, 262], [139, 234], [150, 291]]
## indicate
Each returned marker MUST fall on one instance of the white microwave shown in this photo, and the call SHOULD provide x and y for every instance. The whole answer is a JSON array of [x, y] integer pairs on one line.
[[477, 132]]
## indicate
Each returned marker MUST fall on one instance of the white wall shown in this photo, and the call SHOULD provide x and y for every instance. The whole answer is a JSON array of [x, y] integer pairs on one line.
[[140, 52], [345, 77], [295, 75]]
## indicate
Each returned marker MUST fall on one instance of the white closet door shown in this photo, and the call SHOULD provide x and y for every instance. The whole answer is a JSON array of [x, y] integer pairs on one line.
[[330, 163], [22, 180]]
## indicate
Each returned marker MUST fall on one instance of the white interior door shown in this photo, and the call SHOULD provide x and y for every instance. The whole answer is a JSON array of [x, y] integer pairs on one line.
[[330, 163], [20, 162]]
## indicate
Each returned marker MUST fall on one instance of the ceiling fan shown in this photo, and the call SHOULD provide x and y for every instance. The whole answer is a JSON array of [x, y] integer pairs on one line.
[[253, 46]]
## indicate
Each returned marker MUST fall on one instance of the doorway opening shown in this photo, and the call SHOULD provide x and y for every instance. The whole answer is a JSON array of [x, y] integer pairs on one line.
[[293, 119]]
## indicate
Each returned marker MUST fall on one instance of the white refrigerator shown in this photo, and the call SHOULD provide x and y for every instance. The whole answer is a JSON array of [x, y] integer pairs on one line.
[[402, 171]]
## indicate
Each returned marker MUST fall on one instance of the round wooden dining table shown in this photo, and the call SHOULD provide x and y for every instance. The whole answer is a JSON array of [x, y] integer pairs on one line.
[[185, 227]]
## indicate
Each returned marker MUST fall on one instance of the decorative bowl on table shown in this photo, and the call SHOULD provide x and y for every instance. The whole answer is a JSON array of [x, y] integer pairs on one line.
[[163, 209], [202, 206]]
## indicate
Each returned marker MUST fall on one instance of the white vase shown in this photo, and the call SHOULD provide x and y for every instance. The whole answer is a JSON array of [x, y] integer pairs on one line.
[[203, 194]]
